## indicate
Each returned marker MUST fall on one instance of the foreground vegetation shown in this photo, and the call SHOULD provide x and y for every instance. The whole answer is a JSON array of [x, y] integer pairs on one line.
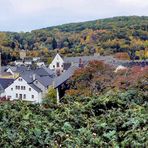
[[112, 120], [100, 109]]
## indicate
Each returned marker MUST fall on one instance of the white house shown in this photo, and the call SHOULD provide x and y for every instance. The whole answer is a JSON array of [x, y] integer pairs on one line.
[[40, 64], [21, 90], [19, 62], [57, 64], [28, 62], [35, 59]]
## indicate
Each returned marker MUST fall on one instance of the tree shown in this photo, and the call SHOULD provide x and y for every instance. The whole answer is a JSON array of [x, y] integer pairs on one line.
[[51, 96], [54, 43]]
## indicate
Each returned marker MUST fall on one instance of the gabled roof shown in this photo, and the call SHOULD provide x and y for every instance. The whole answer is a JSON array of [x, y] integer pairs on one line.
[[66, 66], [5, 82], [35, 88], [43, 71], [64, 77], [45, 81]]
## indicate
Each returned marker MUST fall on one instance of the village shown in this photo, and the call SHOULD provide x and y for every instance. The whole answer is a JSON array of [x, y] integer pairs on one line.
[[23, 82]]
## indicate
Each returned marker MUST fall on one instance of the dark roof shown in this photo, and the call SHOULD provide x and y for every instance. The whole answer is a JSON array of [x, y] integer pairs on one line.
[[21, 69], [5, 82], [46, 81], [27, 76], [43, 71], [35, 87], [66, 66], [64, 76]]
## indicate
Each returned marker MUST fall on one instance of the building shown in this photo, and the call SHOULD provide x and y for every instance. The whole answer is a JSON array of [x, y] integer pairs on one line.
[[57, 64], [31, 85]]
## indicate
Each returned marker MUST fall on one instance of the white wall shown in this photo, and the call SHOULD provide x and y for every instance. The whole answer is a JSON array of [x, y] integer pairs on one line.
[[11, 91], [57, 59], [18, 62]]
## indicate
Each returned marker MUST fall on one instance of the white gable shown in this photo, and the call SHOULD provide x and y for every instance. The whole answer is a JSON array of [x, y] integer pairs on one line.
[[20, 89], [57, 63]]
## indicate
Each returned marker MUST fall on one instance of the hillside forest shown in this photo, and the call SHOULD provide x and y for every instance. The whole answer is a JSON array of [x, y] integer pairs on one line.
[[125, 36]]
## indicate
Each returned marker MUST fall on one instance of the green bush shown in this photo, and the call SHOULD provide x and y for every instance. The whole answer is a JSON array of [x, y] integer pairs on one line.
[[111, 120]]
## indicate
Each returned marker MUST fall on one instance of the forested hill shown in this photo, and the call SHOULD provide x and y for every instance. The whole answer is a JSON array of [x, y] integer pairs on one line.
[[104, 36]]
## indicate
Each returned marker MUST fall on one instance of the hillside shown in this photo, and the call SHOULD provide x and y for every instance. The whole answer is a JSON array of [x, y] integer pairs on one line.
[[104, 36]]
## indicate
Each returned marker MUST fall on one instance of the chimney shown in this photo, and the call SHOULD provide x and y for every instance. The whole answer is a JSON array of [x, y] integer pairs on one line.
[[33, 77], [80, 63]]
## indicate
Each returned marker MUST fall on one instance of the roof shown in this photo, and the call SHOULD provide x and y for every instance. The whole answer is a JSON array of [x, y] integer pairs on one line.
[[5, 82], [35, 87], [67, 65], [64, 77], [43, 71], [21, 69], [46, 81]]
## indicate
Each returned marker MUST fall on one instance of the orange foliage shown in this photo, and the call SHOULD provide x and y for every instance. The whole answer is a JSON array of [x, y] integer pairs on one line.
[[122, 56]]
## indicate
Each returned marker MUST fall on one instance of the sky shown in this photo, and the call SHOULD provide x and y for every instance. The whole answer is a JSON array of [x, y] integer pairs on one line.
[[27, 15]]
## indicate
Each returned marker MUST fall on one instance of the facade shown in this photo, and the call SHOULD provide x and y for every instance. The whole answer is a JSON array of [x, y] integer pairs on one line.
[[57, 64], [21, 90], [19, 62]]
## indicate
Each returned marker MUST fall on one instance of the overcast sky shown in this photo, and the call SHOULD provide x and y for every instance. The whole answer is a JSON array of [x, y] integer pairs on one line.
[[27, 15]]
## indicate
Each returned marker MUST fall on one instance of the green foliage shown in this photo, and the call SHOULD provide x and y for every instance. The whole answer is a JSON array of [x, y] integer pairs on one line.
[[51, 96], [115, 119]]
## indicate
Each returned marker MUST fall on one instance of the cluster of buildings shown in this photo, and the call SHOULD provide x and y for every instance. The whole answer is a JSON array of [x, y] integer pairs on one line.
[[21, 82]]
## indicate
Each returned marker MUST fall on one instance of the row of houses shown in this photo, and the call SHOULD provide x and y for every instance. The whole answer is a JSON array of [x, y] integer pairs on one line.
[[24, 83]]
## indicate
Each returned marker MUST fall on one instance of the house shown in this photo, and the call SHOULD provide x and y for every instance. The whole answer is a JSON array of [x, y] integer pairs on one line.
[[20, 89], [31, 85], [19, 62], [28, 62], [57, 64], [36, 59], [40, 64]]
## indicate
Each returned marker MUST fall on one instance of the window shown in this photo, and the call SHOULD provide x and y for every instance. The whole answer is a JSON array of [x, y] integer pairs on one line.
[[16, 95], [22, 87], [20, 79], [18, 87], [32, 96], [24, 96], [11, 88], [36, 82], [15, 87], [58, 64], [20, 96], [53, 66], [29, 89]]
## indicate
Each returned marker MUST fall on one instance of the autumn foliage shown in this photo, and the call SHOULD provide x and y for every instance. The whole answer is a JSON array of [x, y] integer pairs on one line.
[[98, 77], [122, 56]]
